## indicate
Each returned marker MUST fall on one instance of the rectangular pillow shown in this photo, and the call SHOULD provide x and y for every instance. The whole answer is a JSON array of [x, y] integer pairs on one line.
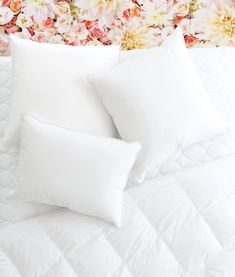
[[82, 172], [48, 82], [158, 99]]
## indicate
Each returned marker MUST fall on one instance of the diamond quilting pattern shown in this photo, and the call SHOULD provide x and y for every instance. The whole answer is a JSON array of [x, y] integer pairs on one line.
[[174, 226], [180, 225]]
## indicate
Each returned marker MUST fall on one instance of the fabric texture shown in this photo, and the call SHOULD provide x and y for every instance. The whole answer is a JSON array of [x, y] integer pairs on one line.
[[69, 169], [67, 103], [165, 113], [196, 240], [216, 69], [181, 225]]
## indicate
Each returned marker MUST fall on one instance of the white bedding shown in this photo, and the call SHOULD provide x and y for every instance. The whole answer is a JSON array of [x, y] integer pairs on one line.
[[174, 226], [182, 224]]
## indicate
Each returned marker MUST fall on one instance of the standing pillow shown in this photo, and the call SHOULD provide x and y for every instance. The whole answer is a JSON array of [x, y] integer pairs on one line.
[[48, 82], [82, 172], [158, 99]]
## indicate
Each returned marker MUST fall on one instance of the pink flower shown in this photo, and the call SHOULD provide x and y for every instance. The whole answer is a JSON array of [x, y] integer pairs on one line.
[[38, 37], [48, 22], [80, 31], [90, 23], [98, 32], [12, 29]]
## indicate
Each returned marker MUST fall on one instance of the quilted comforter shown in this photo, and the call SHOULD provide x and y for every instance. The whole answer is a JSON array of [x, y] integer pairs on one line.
[[179, 224]]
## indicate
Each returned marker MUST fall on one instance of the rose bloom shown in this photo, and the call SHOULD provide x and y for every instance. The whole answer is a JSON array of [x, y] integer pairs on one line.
[[177, 19], [190, 40], [98, 32], [182, 9], [80, 30], [15, 5], [48, 22], [136, 11], [63, 7], [24, 21], [90, 23]]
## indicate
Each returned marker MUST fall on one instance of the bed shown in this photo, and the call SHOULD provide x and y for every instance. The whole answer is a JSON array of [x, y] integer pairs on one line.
[[180, 223]]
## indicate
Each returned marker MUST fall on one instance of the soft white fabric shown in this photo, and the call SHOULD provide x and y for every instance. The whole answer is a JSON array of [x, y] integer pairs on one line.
[[153, 238], [69, 169], [181, 225], [216, 68], [158, 100], [48, 82]]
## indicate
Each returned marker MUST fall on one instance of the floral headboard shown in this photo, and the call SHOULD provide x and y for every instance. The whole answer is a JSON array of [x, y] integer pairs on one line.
[[131, 23]]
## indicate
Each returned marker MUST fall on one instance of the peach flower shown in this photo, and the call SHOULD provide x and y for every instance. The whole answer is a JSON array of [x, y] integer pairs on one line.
[[15, 5], [136, 11]]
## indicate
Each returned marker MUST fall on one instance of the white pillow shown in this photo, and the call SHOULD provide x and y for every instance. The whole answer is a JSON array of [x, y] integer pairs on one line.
[[158, 99], [82, 172], [48, 82]]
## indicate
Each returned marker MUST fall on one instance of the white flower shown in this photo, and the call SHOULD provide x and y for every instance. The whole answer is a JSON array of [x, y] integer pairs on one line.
[[76, 33], [39, 9], [104, 10], [216, 23], [80, 30], [6, 15], [24, 21], [134, 35], [182, 7], [63, 23], [158, 12]]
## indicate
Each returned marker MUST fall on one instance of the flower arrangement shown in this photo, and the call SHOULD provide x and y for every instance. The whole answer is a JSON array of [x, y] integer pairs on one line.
[[133, 24]]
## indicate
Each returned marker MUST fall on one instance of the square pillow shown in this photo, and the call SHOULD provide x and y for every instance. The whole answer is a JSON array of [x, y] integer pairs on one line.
[[82, 172], [158, 99], [48, 82]]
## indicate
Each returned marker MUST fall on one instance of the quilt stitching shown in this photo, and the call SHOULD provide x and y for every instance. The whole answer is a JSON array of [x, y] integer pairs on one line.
[[61, 252], [222, 247], [162, 239]]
